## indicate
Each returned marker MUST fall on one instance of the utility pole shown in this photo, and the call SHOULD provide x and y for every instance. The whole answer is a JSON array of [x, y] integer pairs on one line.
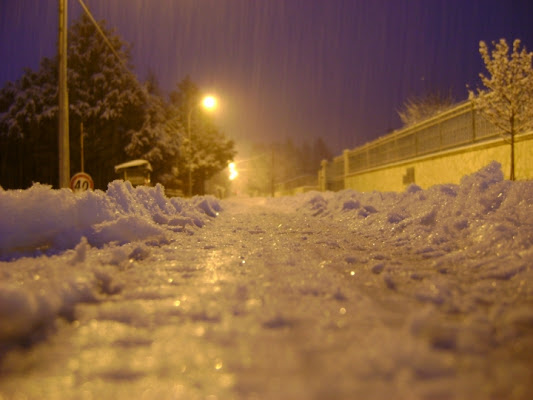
[[272, 186], [81, 148], [64, 150]]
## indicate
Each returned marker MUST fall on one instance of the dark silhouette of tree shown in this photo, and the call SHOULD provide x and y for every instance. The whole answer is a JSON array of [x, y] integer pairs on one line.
[[121, 118], [28, 129], [157, 140], [103, 95], [205, 150], [320, 152], [418, 109], [267, 165]]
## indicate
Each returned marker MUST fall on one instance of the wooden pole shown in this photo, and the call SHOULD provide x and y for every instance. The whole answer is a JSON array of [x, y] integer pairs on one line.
[[81, 145], [64, 151], [272, 188]]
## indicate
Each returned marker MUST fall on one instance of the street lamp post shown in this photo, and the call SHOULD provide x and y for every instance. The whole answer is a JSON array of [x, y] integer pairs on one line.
[[209, 103], [189, 192]]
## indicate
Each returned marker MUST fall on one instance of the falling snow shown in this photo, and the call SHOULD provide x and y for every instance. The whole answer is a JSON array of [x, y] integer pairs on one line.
[[298, 69]]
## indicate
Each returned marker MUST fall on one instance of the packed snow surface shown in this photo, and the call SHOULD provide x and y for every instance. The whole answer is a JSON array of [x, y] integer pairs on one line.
[[425, 294]]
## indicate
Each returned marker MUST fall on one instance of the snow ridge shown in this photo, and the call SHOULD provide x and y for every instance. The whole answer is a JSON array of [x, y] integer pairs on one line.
[[44, 221], [416, 295], [483, 211]]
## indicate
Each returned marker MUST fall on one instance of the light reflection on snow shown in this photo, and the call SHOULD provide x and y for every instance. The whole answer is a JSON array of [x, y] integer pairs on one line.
[[366, 314], [214, 271], [199, 330]]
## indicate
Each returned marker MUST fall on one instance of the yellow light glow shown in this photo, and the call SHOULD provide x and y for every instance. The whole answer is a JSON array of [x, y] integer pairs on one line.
[[209, 102], [232, 171]]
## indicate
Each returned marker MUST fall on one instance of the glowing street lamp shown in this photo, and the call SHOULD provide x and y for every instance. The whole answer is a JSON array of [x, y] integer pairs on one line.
[[209, 103], [232, 171]]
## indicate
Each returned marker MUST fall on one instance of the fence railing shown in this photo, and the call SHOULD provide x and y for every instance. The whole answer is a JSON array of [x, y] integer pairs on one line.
[[459, 126]]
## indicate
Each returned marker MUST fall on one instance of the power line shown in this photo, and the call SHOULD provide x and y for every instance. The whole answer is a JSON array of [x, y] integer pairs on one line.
[[106, 40]]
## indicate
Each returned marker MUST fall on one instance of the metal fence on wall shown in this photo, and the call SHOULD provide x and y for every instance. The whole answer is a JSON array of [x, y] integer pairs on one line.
[[457, 127]]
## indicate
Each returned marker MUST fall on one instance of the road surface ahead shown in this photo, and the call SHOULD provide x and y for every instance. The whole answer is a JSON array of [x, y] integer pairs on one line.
[[286, 299]]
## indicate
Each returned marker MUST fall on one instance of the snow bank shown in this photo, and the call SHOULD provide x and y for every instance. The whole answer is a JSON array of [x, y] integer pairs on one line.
[[44, 221], [28, 311], [438, 277], [483, 211]]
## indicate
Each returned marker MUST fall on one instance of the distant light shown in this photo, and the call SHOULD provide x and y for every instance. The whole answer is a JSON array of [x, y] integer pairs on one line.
[[232, 171], [209, 102]]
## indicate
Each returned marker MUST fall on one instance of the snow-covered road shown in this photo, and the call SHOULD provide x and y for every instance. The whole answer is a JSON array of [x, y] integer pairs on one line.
[[425, 294]]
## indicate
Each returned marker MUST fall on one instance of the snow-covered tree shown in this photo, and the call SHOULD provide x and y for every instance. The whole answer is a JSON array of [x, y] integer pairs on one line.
[[158, 140], [417, 109], [267, 165], [122, 119], [103, 95], [28, 128], [205, 150], [507, 101]]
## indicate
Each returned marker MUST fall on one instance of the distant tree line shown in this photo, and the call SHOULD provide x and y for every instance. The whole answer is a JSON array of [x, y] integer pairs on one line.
[[268, 164], [122, 119]]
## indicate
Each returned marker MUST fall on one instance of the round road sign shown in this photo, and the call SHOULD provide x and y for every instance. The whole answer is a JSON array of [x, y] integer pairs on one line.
[[81, 182]]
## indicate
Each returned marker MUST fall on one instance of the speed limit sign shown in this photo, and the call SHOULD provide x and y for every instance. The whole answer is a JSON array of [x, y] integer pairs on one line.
[[81, 182]]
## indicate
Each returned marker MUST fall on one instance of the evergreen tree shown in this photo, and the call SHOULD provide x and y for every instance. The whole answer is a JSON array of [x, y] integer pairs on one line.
[[508, 101], [28, 128], [320, 152], [268, 165], [157, 141], [205, 150], [256, 170], [290, 160], [103, 95]]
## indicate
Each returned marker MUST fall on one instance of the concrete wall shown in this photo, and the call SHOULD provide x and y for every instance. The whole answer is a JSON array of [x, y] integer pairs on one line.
[[446, 167], [441, 149]]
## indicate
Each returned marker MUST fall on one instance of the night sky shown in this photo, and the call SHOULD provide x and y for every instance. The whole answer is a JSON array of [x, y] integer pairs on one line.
[[299, 69]]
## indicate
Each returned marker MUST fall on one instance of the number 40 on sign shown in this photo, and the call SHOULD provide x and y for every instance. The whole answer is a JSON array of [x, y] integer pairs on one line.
[[81, 182]]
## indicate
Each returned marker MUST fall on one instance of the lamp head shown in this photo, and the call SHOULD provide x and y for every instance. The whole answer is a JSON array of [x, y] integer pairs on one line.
[[209, 102]]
